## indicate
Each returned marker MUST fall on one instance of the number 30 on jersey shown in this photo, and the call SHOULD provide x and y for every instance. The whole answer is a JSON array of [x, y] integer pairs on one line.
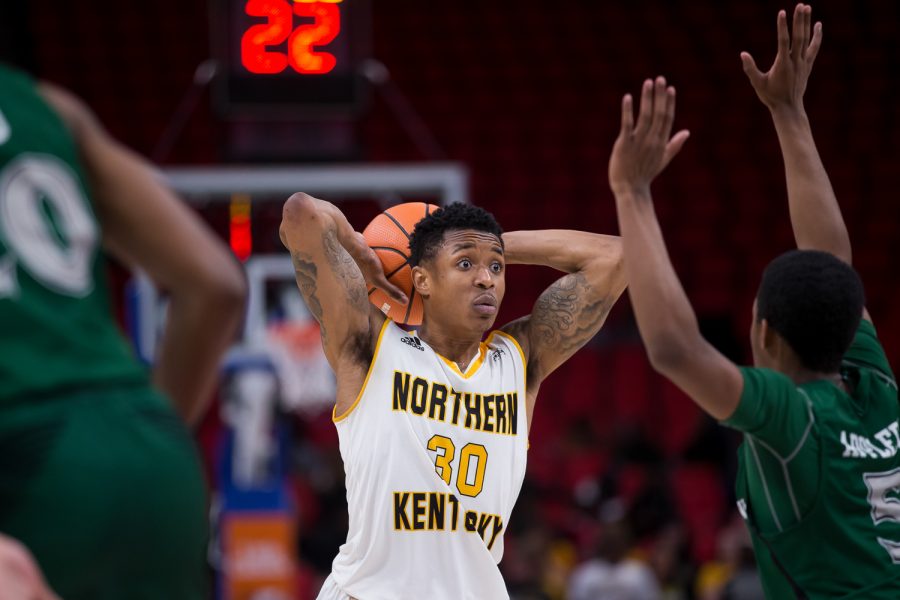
[[470, 466]]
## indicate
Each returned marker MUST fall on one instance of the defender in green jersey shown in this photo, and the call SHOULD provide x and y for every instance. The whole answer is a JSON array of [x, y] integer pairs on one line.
[[820, 464], [99, 478]]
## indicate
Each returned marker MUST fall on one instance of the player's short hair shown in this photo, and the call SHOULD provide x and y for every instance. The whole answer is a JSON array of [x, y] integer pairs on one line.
[[428, 236], [814, 301]]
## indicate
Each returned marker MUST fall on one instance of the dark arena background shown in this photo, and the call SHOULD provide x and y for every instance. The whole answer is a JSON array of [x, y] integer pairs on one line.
[[519, 103]]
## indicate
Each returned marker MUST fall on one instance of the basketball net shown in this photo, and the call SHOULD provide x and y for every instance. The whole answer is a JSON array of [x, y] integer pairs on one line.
[[307, 382]]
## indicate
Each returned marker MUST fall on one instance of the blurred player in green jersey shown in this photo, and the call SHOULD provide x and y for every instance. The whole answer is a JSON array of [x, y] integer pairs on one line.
[[99, 478], [819, 466]]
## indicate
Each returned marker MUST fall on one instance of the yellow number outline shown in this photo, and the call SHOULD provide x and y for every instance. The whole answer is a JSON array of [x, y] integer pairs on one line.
[[444, 468]]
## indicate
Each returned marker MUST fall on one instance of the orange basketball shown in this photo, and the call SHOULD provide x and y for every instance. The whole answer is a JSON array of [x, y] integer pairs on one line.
[[388, 235]]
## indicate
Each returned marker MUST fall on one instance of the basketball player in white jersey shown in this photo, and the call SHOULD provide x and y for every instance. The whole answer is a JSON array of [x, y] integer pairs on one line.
[[433, 424]]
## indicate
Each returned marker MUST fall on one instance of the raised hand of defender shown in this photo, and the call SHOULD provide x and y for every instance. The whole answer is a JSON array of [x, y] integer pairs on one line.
[[644, 149], [784, 84]]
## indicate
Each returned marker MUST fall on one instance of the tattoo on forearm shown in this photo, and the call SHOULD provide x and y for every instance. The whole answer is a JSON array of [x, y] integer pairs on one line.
[[306, 272], [566, 316], [346, 270]]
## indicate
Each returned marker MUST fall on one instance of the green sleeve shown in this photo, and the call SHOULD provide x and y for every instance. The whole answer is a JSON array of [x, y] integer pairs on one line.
[[866, 351], [772, 409]]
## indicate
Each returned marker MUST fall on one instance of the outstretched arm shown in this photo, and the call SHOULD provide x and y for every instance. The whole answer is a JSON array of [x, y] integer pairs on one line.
[[332, 263], [572, 310], [815, 214], [146, 225], [666, 321]]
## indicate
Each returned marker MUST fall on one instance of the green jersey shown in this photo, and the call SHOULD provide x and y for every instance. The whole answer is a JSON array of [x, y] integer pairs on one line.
[[98, 476], [56, 332], [819, 477]]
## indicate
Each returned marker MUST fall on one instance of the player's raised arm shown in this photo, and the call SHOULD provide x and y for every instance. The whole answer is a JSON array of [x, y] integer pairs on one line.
[[666, 321], [145, 225], [572, 310], [332, 264], [815, 214]]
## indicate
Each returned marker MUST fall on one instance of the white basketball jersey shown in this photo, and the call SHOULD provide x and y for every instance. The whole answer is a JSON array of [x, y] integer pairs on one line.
[[434, 460]]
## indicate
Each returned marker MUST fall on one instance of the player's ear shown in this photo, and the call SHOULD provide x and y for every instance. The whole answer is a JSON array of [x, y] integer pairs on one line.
[[421, 281], [768, 337]]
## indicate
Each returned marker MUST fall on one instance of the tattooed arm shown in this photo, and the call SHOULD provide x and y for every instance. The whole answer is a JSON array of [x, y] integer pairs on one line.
[[332, 264], [572, 310]]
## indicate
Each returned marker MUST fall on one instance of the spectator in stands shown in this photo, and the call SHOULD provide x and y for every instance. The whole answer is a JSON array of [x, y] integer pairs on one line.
[[614, 574]]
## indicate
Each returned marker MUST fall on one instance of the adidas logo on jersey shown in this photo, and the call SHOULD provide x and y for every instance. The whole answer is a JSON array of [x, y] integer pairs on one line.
[[414, 342], [497, 354]]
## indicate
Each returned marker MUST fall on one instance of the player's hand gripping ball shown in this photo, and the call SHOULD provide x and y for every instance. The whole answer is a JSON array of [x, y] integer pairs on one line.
[[388, 235]]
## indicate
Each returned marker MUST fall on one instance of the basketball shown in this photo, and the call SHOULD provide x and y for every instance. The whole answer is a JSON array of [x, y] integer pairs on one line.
[[388, 235]]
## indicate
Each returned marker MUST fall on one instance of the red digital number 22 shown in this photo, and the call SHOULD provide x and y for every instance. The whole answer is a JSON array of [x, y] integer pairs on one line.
[[300, 56]]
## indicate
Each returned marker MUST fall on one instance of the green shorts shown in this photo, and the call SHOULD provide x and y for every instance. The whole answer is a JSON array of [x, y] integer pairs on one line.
[[105, 488]]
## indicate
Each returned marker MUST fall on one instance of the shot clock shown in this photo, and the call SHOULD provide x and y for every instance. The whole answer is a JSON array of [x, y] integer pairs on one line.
[[283, 55]]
